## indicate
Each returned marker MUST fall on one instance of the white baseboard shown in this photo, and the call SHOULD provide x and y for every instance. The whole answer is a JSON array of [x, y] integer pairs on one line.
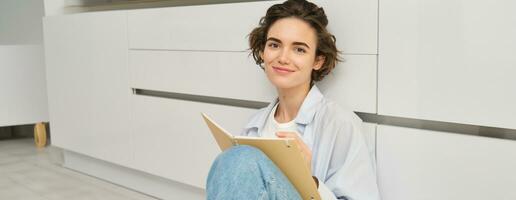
[[136, 180]]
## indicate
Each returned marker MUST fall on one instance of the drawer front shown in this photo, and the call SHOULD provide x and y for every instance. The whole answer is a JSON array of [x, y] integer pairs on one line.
[[173, 141], [219, 74], [225, 27], [234, 75]]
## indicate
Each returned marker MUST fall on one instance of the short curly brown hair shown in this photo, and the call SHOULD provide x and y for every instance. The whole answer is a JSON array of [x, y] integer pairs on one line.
[[308, 12]]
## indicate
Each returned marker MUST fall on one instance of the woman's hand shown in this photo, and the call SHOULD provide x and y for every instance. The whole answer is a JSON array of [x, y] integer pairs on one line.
[[305, 151]]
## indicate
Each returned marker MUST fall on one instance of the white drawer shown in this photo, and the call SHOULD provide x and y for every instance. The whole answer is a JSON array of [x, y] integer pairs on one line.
[[225, 27], [222, 27], [218, 74], [353, 83], [234, 75], [172, 140], [420, 164]]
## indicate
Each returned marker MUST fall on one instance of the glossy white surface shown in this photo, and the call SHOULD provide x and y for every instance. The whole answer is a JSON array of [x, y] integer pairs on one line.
[[22, 85], [353, 83], [87, 77], [173, 140], [448, 61], [222, 27], [225, 27], [220, 74], [418, 164], [354, 23]]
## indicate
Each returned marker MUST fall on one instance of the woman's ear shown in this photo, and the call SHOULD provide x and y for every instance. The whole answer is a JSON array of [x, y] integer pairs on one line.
[[319, 61]]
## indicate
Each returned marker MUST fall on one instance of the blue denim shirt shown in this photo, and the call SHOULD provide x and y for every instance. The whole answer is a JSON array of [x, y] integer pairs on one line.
[[340, 158]]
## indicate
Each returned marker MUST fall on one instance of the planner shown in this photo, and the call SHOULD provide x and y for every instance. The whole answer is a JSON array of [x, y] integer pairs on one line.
[[285, 153]]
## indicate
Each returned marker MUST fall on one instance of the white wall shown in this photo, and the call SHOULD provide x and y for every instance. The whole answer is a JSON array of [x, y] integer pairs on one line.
[[20, 22], [22, 72], [23, 99]]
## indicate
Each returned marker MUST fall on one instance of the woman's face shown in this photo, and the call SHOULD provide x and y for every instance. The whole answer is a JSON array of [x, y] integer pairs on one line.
[[289, 54]]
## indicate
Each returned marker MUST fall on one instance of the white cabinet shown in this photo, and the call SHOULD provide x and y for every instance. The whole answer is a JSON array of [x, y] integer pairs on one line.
[[22, 84], [448, 61], [220, 27], [87, 77], [418, 164], [174, 142], [445, 61], [94, 59]]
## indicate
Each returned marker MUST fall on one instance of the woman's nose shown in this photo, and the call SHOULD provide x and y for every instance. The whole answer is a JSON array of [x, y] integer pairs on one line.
[[284, 57]]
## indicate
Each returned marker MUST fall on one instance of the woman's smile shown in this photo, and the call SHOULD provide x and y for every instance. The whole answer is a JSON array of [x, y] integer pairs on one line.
[[282, 70]]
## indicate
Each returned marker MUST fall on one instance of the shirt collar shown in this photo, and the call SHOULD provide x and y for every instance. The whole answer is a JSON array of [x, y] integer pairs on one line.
[[310, 106], [304, 116]]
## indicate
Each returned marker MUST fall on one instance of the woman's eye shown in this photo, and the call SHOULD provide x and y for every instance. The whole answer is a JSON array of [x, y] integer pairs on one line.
[[273, 45], [300, 50]]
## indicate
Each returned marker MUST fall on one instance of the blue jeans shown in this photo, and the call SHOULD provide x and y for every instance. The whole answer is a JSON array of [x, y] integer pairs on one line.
[[245, 172]]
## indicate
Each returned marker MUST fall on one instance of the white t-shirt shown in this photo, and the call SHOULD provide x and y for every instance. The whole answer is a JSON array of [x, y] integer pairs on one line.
[[272, 126]]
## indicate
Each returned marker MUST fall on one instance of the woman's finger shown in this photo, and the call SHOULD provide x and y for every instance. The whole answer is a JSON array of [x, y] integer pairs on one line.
[[286, 134], [304, 149]]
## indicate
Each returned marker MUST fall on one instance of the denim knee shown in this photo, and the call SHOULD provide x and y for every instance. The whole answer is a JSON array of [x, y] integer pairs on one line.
[[242, 159], [250, 153], [245, 171]]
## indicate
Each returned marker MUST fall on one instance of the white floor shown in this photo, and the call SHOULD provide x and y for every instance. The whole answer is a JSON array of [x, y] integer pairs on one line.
[[28, 173]]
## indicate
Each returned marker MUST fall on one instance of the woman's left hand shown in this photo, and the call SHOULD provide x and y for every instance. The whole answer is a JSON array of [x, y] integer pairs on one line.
[[307, 153]]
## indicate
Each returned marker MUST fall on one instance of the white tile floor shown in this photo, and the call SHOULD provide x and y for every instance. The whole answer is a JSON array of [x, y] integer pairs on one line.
[[27, 173]]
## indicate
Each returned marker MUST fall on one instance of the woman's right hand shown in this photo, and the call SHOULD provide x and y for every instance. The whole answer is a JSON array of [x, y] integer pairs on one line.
[[305, 150]]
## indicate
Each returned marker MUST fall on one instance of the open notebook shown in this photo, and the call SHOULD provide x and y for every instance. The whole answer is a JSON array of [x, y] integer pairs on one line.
[[283, 152]]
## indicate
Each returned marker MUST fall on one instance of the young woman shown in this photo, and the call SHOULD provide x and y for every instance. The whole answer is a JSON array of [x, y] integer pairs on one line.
[[295, 50]]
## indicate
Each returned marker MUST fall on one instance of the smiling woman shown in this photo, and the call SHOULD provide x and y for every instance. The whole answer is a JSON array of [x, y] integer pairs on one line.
[[289, 54], [295, 50], [313, 18]]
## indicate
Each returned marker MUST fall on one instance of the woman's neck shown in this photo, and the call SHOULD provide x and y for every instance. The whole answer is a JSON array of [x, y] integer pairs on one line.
[[290, 101]]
